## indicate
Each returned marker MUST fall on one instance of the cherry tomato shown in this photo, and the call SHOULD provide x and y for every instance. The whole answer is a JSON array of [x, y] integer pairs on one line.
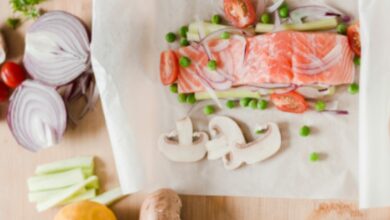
[[169, 67], [241, 13], [353, 33], [289, 102], [12, 74], [4, 92]]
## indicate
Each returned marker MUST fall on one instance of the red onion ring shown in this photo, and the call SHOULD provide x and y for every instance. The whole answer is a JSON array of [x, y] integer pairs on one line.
[[57, 49], [316, 12], [36, 115]]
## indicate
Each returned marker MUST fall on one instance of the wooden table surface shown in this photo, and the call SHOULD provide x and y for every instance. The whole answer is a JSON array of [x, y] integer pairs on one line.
[[90, 138]]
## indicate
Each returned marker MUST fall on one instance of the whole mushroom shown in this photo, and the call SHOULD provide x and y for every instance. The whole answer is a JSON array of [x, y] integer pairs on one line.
[[163, 204]]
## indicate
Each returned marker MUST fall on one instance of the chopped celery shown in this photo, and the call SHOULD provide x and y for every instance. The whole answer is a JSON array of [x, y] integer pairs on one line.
[[324, 24], [90, 194], [228, 94], [207, 28], [88, 171], [64, 165], [55, 181], [109, 197], [66, 194], [193, 36]]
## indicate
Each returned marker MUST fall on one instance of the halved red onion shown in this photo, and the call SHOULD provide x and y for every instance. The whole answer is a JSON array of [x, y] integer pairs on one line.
[[36, 115], [57, 49]]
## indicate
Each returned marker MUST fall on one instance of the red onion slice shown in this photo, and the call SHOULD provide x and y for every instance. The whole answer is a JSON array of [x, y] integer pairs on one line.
[[57, 49], [276, 4], [316, 12], [36, 116]]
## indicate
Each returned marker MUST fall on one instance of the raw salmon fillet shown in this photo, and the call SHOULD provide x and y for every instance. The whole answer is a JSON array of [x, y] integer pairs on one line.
[[279, 58]]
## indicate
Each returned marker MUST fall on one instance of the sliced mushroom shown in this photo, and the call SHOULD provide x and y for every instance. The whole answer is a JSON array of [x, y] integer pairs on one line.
[[255, 151], [163, 204], [183, 145], [225, 133], [3, 49]]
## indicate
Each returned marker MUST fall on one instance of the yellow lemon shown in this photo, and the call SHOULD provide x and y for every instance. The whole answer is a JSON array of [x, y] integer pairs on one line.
[[85, 210]]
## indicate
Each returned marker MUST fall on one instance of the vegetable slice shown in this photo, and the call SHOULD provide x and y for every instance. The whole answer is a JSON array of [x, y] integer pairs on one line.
[[109, 197], [64, 165], [169, 67], [55, 181], [36, 116], [291, 102], [71, 191], [240, 12]]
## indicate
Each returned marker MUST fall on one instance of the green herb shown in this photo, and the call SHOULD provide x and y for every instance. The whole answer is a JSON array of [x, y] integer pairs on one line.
[[212, 65], [170, 37], [216, 19], [13, 22], [320, 106], [353, 88], [314, 157], [191, 99], [173, 88], [209, 110], [185, 61], [26, 7], [305, 131], [262, 104], [230, 104]]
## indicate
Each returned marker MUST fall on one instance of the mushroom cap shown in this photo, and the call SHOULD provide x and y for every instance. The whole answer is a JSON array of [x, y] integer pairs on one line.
[[163, 204], [85, 210]]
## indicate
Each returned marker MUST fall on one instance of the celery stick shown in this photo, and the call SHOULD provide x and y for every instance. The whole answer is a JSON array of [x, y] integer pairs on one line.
[[64, 165], [264, 28], [88, 171], [55, 181], [46, 195], [109, 197], [324, 24], [90, 194], [207, 28], [193, 36], [71, 191], [228, 94]]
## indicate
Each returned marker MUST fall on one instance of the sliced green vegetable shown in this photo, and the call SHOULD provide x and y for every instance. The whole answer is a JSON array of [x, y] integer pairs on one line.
[[265, 18], [356, 60], [305, 131], [244, 102], [253, 104], [314, 157], [88, 195], [184, 42], [71, 191], [170, 37], [48, 194], [173, 88], [212, 65], [262, 104], [324, 24], [353, 88], [64, 165], [228, 94], [191, 99], [109, 197], [55, 181], [183, 31], [216, 19], [230, 104], [184, 61], [320, 106], [182, 98], [342, 28], [225, 35], [209, 110]]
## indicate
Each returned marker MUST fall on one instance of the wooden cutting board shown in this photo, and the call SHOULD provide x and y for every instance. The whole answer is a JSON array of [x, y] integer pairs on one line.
[[90, 138]]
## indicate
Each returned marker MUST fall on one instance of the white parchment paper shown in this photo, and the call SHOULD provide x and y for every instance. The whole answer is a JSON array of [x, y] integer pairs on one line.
[[128, 37]]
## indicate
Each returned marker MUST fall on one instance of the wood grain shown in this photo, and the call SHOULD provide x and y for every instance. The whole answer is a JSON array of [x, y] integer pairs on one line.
[[90, 138]]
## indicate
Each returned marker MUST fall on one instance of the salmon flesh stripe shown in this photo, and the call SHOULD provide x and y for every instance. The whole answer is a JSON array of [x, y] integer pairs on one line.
[[298, 58]]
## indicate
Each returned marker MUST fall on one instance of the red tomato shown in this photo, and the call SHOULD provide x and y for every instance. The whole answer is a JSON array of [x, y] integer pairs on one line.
[[4, 92], [12, 74], [353, 33], [289, 102], [240, 12], [169, 67]]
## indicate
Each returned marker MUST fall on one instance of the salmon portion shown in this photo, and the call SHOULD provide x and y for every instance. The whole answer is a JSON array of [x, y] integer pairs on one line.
[[278, 58]]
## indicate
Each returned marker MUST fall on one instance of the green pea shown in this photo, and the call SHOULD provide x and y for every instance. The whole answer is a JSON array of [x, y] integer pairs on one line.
[[225, 35], [341, 28], [170, 37], [182, 98], [185, 61], [212, 65], [173, 88], [262, 104], [253, 104], [184, 42], [244, 102], [353, 88], [216, 19], [284, 11], [230, 104], [191, 99], [356, 60], [183, 31], [305, 131], [265, 18], [314, 157], [320, 106], [209, 110]]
